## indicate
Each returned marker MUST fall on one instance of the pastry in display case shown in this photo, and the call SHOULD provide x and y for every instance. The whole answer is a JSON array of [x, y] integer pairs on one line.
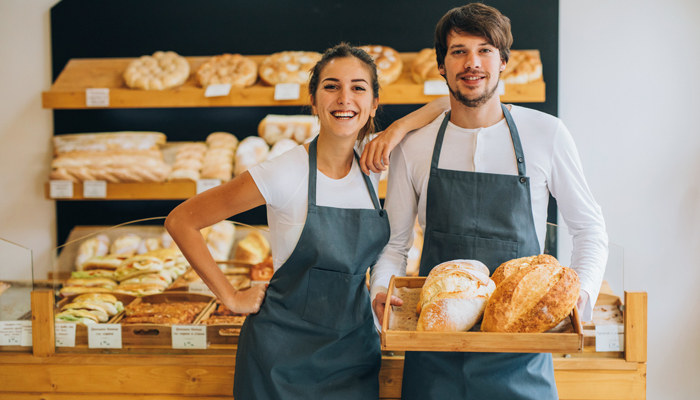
[[300, 128], [388, 61], [288, 67], [233, 69], [160, 71]]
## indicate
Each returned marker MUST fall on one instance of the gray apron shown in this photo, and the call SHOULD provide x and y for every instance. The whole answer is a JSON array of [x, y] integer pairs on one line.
[[485, 217], [314, 337]]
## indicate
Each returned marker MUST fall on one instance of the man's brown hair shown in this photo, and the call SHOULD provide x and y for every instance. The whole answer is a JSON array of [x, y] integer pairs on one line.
[[475, 19]]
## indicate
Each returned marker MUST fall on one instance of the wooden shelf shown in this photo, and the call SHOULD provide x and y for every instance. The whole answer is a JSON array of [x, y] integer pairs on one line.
[[150, 191], [68, 92], [136, 191]]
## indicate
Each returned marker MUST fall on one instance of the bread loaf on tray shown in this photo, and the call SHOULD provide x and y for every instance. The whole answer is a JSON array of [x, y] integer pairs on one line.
[[454, 296], [533, 299]]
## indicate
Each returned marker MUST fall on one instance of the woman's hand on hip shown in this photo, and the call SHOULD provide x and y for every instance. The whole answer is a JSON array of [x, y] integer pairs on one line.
[[248, 301]]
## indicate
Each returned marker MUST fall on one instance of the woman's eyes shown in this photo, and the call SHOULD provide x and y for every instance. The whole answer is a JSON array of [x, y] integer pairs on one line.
[[336, 87]]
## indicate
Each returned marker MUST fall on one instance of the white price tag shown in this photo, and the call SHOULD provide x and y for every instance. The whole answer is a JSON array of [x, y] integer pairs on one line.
[[607, 338], [501, 88], [105, 336], [65, 334], [218, 90], [287, 91], [206, 184], [60, 189], [97, 97], [200, 287], [435, 88], [189, 337], [10, 333], [26, 333], [94, 189]]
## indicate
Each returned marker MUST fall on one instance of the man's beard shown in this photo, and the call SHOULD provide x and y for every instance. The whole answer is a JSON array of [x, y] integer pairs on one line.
[[473, 103]]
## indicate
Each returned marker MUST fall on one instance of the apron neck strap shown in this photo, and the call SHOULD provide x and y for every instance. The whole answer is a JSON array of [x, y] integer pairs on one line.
[[515, 137], [313, 165], [519, 156]]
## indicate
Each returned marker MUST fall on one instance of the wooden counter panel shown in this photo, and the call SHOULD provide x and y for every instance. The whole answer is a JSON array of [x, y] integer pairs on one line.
[[601, 385], [128, 379]]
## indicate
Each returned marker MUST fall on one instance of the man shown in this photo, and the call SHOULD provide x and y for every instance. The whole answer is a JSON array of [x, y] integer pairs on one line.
[[482, 194]]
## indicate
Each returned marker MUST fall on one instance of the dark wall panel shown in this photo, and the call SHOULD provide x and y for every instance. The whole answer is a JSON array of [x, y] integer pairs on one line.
[[131, 28]]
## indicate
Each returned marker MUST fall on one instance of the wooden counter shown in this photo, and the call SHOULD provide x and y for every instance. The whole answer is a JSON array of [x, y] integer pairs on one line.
[[162, 376]]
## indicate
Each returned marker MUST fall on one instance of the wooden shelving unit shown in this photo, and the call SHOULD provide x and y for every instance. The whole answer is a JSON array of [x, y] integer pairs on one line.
[[68, 92]]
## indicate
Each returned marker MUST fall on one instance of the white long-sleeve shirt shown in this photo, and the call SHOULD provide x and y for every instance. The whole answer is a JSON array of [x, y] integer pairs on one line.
[[552, 163]]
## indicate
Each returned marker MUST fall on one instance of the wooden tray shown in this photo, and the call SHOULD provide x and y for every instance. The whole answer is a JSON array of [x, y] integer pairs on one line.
[[160, 334], [395, 340], [221, 333]]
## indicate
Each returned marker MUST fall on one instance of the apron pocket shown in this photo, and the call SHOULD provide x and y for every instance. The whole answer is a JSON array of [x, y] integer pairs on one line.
[[491, 252], [336, 300]]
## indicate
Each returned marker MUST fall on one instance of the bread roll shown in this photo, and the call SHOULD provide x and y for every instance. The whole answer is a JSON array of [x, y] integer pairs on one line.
[[508, 268], [251, 152], [424, 67], [93, 247], [454, 296], [253, 249], [282, 146], [300, 128], [534, 299]]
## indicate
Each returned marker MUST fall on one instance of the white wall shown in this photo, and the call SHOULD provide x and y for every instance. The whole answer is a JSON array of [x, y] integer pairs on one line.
[[628, 92], [26, 218]]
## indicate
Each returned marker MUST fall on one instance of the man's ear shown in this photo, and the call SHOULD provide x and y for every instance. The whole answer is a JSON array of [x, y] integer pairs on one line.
[[441, 68]]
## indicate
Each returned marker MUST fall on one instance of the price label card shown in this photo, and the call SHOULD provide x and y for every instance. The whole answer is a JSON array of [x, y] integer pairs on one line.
[[218, 90], [200, 287], [189, 337], [105, 336], [65, 334], [287, 91], [206, 184], [11, 333], [61, 189], [97, 97], [26, 333], [435, 88], [94, 189], [501, 88], [607, 338]]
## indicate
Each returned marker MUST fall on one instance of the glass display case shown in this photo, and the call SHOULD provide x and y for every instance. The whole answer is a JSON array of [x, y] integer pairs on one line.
[[16, 285]]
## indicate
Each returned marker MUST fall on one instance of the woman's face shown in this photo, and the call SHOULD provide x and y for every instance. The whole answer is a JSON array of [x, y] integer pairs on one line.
[[344, 100]]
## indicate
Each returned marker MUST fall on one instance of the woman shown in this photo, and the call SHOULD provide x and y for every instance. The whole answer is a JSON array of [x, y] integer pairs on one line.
[[313, 336]]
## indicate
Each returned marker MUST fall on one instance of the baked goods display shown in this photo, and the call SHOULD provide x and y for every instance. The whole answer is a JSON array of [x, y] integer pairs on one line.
[[300, 128], [454, 296], [508, 268], [89, 309], [79, 286], [424, 67], [524, 66], [220, 240], [162, 70], [162, 313], [388, 62], [96, 246], [251, 151], [234, 69], [282, 146], [188, 162], [288, 67], [531, 297], [223, 316], [262, 271], [218, 160], [253, 249], [112, 157]]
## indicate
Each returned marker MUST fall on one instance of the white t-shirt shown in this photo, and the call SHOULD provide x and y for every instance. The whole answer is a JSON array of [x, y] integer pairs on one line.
[[284, 180], [552, 163]]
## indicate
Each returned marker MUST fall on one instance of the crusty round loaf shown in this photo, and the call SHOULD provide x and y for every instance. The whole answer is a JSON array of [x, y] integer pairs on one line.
[[454, 296], [288, 67], [388, 62], [534, 299], [234, 69], [424, 67], [162, 70], [508, 268]]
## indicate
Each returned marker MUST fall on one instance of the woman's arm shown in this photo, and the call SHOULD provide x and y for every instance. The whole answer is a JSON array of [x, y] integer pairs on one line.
[[375, 156], [207, 208]]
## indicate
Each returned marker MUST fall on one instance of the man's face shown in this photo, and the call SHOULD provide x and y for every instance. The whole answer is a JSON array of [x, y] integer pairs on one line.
[[472, 68]]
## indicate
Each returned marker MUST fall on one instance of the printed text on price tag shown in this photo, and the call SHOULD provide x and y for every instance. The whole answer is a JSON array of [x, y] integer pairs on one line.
[[189, 337], [105, 336]]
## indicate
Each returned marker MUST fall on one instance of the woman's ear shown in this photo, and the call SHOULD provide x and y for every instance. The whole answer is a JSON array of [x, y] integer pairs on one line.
[[313, 106], [375, 105]]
